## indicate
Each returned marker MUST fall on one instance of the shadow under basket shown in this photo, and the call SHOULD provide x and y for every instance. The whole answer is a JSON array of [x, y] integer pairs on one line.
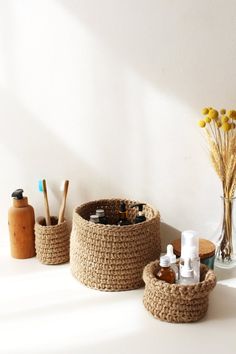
[[52, 242], [174, 302], [111, 257]]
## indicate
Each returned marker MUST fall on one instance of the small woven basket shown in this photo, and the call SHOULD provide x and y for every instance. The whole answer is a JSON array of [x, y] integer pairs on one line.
[[109, 257], [177, 303], [52, 242]]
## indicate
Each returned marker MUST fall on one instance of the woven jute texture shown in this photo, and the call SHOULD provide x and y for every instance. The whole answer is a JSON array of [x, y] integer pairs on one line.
[[52, 242], [109, 257], [177, 303]]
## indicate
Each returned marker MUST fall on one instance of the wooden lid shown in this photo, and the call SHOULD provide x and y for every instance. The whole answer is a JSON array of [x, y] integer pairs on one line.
[[206, 248]]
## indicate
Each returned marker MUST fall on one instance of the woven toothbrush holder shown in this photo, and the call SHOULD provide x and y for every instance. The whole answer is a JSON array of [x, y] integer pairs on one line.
[[111, 257], [174, 302], [52, 243]]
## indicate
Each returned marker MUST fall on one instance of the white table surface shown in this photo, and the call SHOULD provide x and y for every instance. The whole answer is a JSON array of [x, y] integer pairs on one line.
[[44, 309]]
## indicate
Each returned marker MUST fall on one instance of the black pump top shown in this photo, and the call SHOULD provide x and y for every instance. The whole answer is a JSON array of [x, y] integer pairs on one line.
[[122, 207], [17, 194], [139, 206]]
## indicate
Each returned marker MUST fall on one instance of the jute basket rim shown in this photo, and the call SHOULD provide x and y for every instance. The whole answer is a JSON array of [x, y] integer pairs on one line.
[[41, 218], [78, 217], [178, 289]]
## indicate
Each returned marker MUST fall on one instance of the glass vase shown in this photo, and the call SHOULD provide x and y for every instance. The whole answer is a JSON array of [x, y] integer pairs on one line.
[[226, 244]]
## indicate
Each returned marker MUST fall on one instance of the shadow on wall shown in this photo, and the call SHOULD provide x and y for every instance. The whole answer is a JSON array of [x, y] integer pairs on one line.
[[40, 153], [80, 90], [165, 44], [168, 234], [174, 47], [225, 274]]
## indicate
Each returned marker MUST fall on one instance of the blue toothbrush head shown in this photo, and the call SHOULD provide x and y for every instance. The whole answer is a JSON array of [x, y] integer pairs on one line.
[[40, 185]]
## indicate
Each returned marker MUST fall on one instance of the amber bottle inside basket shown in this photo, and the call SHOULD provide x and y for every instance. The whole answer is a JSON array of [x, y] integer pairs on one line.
[[21, 227], [166, 273], [123, 220]]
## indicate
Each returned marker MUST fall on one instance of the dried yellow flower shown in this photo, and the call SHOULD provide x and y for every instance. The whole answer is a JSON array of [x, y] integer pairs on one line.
[[222, 111], [208, 120], [205, 111], [232, 114], [224, 119], [202, 123], [226, 126], [213, 114], [219, 124]]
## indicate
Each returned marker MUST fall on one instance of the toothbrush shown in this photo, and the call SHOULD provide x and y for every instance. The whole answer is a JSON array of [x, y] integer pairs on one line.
[[43, 188], [63, 203]]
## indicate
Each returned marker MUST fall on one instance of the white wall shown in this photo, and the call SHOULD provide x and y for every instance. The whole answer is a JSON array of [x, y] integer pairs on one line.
[[107, 94]]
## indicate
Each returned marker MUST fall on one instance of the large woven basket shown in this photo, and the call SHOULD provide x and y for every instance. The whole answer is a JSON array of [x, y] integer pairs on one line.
[[177, 303], [52, 243], [109, 257]]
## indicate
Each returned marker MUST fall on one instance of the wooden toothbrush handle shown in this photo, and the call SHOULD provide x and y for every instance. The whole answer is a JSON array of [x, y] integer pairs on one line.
[[47, 212], [63, 203]]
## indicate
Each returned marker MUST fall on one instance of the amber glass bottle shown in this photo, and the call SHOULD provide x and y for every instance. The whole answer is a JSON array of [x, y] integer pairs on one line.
[[166, 273], [123, 220], [21, 227]]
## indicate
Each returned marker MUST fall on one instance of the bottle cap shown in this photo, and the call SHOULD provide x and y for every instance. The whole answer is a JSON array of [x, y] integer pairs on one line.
[[189, 244], [100, 212], [164, 261], [187, 270], [94, 218], [171, 254], [17, 194]]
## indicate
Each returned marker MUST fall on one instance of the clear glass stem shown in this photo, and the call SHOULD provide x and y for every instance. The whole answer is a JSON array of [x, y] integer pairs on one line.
[[225, 256]]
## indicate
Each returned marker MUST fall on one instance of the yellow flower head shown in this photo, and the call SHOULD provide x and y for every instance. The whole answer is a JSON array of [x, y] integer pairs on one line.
[[224, 119], [213, 114], [233, 125], [222, 111], [218, 124], [202, 123], [208, 120], [226, 126], [232, 114], [205, 111]]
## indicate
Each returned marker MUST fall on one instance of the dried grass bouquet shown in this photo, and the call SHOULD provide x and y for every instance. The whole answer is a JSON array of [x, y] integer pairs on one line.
[[220, 129]]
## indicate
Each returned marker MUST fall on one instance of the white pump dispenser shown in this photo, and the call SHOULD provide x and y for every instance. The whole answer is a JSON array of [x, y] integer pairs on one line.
[[187, 274], [190, 249]]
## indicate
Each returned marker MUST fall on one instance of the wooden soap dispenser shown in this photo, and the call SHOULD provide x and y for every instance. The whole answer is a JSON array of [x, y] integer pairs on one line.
[[21, 222]]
